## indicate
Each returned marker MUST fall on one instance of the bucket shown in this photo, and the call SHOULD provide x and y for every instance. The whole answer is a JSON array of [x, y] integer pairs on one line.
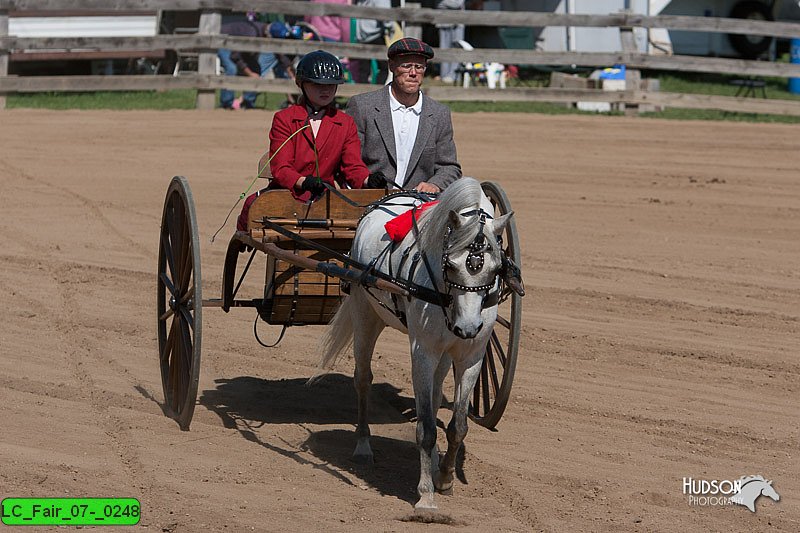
[[794, 53]]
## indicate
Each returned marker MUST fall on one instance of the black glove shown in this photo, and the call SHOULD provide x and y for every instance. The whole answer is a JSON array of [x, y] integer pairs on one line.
[[376, 180], [314, 185]]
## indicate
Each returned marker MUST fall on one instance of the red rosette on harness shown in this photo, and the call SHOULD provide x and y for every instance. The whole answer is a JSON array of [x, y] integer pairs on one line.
[[399, 226]]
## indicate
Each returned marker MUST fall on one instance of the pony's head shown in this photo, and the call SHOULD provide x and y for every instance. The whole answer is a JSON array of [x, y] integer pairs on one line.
[[462, 239]]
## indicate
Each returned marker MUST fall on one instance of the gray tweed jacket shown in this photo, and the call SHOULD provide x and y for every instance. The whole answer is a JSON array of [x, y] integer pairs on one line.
[[433, 158]]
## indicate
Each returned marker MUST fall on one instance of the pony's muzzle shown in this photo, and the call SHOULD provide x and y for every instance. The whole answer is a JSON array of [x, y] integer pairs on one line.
[[467, 333]]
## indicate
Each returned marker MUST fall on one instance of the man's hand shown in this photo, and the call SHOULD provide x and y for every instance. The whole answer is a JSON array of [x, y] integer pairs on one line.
[[428, 187], [376, 180]]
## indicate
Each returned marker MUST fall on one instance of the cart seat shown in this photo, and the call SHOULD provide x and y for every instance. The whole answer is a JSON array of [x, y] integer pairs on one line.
[[293, 295]]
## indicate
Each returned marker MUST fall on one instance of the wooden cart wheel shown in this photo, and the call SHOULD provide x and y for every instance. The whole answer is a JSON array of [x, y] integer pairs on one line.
[[179, 302], [493, 388]]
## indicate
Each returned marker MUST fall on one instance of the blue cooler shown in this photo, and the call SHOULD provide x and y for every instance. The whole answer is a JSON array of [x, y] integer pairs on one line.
[[794, 52]]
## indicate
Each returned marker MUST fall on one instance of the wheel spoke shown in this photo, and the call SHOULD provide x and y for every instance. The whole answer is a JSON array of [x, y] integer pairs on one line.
[[501, 354], [168, 346], [187, 317], [168, 313], [166, 246], [476, 397], [168, 284], [186, 262], [186, 273], [187, 296], [186, 356], [485, 379], [492, 370], [503, 322], [186, 340], [175, 227], [174, 371]]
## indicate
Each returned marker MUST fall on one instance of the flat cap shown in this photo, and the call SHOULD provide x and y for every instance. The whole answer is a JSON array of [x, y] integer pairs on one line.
[[410, 46]]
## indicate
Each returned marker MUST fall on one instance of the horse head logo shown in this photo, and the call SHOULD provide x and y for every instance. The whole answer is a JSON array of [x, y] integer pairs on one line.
[[752, 488]]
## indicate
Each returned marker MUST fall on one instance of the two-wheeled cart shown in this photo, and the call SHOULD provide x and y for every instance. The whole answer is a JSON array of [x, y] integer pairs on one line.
[[306, 247]]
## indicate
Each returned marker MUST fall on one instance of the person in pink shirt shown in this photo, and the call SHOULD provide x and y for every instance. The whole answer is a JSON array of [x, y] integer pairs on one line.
[[331, 28]]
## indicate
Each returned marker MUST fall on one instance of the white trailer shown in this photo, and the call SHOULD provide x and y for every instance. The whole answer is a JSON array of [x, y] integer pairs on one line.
[[574, 39], [33, 24]]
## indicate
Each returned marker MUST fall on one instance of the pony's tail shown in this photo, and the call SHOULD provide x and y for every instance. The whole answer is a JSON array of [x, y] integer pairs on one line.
[[337, 338]]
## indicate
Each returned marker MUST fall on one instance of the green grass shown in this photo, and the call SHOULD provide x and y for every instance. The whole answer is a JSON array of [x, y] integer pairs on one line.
[[514, 107], [181, 99], [133, 100], [715, 84], [690, 83]]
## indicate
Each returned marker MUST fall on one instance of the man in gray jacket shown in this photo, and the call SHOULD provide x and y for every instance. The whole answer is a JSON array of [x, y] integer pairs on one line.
[[406, 137]]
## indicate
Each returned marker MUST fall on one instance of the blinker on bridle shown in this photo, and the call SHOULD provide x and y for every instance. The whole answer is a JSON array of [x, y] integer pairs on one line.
[[474, 261]]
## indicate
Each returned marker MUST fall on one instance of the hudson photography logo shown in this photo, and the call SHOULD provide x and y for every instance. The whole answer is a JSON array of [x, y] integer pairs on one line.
[[743, 491]]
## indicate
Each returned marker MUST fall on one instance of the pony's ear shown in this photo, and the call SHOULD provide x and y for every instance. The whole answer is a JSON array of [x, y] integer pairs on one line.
[[500, 223], [456, 219]]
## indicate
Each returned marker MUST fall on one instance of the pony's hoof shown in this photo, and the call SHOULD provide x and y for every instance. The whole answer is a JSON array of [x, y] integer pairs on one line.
[[363, 452], [443, 483], [363, 459], [425, 504]]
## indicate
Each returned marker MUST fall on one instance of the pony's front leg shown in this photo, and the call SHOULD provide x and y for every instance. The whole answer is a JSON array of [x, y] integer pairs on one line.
[[465, 379], [423, 367], [367, 328]]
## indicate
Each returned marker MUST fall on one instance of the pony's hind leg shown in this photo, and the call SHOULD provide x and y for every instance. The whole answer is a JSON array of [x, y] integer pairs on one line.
[[367, 328], [457, 428]]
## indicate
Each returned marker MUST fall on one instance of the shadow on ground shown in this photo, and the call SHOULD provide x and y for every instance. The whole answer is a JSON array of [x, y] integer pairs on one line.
[[246, 403], [331, 400]]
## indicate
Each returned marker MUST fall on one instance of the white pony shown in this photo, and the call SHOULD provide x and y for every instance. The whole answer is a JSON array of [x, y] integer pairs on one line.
[[454, 252]]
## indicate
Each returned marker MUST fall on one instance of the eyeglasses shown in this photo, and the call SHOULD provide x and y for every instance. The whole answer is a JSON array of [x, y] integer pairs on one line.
[[406, 67]]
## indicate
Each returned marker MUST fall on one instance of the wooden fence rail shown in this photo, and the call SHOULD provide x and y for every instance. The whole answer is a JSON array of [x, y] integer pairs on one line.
[[425, 15], [34, 84], [506, 56], [209, 39]]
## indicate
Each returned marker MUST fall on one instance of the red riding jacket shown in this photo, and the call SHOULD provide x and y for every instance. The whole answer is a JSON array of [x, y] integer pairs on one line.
[[338, 151]]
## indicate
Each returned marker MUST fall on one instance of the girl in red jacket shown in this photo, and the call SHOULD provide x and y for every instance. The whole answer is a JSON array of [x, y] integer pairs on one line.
[[311, 142]]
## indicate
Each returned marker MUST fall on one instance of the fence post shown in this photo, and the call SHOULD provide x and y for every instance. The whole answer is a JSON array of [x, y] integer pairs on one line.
[[210, 24], [633, 77], [415, 29], [3, 53]]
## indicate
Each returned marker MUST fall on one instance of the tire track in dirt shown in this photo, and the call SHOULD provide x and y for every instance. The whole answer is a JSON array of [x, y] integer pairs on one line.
[[487, 481], [92, 207], [83, 364]]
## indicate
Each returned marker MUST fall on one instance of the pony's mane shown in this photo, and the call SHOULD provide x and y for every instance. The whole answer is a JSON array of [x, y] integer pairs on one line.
[[465, 193]]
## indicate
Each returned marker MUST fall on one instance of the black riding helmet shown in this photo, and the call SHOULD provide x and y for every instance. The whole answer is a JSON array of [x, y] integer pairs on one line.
[[320, 67]]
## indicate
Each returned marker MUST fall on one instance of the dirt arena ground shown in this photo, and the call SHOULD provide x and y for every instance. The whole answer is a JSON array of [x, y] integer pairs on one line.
[[660, 334]]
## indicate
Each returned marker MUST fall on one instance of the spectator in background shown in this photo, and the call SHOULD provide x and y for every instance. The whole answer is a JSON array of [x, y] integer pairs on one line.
[[241, 63], [369, 31], [448, 34], [331, 29]]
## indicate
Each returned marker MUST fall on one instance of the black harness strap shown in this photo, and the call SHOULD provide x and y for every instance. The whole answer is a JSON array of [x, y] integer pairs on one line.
[[421, 253], [397, 312], [418, 291]]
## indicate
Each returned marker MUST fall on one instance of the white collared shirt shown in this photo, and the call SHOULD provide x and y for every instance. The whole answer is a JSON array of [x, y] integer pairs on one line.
[[405, 121]]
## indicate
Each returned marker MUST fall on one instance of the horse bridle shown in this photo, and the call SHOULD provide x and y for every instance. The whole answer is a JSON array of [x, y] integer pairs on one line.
[[474, 262]]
